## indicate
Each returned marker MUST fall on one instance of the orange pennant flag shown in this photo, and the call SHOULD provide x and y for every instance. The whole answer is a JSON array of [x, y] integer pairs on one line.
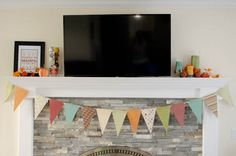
[[20, 94], [134, 116]]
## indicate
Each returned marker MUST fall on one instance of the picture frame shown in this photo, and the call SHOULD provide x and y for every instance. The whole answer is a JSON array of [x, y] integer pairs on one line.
[[28, 55]]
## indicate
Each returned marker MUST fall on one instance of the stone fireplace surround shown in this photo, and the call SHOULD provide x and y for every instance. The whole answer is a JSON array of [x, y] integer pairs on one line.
[[117, 88], [72, 140]]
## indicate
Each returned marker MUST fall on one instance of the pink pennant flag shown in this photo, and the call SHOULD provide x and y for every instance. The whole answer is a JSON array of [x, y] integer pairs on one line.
[[178, 110], [55, 108]]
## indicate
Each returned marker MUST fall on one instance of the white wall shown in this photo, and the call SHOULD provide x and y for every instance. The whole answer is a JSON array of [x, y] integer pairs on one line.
[[210, 31]]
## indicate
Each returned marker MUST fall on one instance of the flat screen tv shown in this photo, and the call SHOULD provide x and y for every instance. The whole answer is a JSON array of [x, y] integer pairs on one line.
[[117, 45]]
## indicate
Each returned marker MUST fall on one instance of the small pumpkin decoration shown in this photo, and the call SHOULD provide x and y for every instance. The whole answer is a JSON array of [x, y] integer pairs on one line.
[[43, 72]]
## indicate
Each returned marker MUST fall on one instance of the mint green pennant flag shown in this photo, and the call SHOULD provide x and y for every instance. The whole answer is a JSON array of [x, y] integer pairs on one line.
[[70, 111], [196, 106]]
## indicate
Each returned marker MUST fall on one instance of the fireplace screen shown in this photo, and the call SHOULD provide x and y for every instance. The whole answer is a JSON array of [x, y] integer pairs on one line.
[[115, 151]]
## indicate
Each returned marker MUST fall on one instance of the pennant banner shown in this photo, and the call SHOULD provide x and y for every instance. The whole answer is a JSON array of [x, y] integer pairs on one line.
[[9, 91], [225, 94], [134, 116], [119, 117], [20, 94], [39, 103], [164, 115], [211, 102], [149, 116], [88, 113], [196, 106], [178, 110], [103, 117], [70, 110], [55, 108]]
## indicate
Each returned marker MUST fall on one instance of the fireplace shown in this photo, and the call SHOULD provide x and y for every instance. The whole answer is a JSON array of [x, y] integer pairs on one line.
[[117, 88]]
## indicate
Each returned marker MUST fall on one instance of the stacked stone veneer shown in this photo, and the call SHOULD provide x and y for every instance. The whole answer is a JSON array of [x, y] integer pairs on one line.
[[60, 139]]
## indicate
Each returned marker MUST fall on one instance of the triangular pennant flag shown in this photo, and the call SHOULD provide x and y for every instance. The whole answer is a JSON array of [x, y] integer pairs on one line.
[[164, 115], [103, 117], [134, 116], [88, 113], [119, 117], [70, 110], [20, 94], [9, 91], [149, 116], [178, 109], [39, 103], [55, 108], [225, 94], [211, 102], [196, 106]]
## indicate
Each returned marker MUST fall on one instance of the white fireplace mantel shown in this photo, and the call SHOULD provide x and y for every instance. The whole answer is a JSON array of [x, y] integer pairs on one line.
[[149, 87], [117, 87]]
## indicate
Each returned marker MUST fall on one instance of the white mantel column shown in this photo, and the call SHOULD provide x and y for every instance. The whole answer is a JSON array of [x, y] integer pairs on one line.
[[26, 128]]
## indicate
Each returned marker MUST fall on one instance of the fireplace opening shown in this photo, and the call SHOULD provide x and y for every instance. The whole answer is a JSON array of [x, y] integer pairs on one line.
[[115, 151]]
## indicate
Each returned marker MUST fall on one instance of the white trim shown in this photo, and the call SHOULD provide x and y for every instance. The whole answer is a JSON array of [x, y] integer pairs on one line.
[[119, 4]]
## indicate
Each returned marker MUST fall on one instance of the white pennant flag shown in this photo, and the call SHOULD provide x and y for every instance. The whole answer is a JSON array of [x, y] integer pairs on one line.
[[39, 103], [149, 116], [103, 117]]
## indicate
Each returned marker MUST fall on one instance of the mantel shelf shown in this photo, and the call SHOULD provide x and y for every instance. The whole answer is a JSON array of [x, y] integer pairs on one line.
[[138, 87]]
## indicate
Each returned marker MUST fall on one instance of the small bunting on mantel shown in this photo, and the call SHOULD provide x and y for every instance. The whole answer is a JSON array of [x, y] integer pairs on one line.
[[103, 117], [55, 108], [211, 102], [178, 109], [20, 94], [119, 117], [149, 117], [164, 115], [196, 106], [88, 113], [134, 115], [39, 103], [70, 111]]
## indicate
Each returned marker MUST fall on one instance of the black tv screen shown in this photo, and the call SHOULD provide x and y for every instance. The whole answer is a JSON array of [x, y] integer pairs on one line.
[[117, 45]]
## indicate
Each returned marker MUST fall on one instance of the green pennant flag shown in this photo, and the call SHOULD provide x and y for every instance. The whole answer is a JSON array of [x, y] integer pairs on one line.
[[225, 94], [70, 110], [196, 106], [9, 91], [164, 115], [119, 117]]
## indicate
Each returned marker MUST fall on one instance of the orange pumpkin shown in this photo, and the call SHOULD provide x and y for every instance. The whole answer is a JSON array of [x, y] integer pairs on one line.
[[43, 72]]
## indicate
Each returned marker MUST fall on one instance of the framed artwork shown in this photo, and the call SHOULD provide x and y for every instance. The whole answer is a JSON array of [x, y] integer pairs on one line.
[[28, 55]]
